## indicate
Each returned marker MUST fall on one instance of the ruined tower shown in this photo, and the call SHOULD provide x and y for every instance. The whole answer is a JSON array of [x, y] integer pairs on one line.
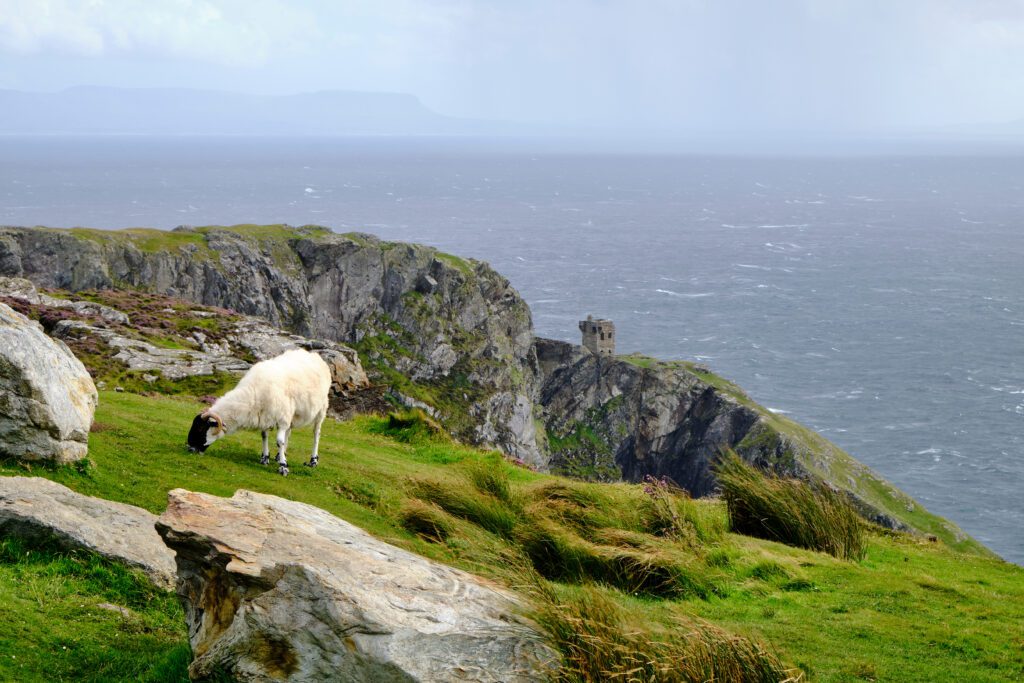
[[598, 335]]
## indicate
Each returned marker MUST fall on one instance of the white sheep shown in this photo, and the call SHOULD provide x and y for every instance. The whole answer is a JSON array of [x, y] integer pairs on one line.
[[290, 390]]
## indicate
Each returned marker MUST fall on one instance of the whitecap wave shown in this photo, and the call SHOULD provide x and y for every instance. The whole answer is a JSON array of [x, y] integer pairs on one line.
[[695, 295]]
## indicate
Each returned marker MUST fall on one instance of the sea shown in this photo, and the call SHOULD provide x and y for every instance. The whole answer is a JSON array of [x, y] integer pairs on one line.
[[875, 297]]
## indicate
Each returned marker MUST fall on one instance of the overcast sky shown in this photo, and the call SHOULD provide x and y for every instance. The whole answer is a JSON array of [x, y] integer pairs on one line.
[[846, 65]]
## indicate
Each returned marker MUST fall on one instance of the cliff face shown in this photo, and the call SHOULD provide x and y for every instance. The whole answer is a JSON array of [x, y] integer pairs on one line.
[[454, 335], [446, 331], [626, 417], [610, 418]]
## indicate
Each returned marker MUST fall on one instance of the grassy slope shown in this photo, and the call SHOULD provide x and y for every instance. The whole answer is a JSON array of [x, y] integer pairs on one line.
[[830, 462], [54, 629], [909, 611]]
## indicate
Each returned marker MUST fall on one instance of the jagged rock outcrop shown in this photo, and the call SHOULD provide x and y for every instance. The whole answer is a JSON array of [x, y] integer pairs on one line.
[[455, 327], [615, 419], [25, 290], [142, 356], [41, 510], [229, 347], [279, 590], [47, 398]]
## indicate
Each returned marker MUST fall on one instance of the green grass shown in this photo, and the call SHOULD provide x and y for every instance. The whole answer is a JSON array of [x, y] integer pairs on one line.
[[625, 579], [906, 612], [276, 232], [272, 240], [457, 262], [54, 629], [145, 239]]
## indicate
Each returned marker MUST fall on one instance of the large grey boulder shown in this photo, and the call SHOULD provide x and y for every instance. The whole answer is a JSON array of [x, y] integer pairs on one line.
[[40, 509], [279, 590], [47, 398]]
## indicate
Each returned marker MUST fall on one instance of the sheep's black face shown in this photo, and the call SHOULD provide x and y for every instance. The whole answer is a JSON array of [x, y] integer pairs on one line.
[[198, 435]]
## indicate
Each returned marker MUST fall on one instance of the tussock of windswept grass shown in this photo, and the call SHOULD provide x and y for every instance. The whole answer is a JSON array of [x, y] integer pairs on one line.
[[484, 510], [621, 536], [669, 511], [409, 426], [492, 480], [601, 641], [615, 557], [797, 513], [425, 520]]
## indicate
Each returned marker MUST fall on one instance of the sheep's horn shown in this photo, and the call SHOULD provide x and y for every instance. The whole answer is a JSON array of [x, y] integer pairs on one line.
[[207, 413]]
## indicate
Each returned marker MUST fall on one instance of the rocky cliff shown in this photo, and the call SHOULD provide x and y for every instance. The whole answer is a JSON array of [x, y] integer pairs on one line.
[[448, 332], [628, 417], [454, 335]]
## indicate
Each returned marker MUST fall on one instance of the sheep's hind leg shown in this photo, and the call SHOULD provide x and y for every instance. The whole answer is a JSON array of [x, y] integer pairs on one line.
[[265, 458], [315, 458], [282, 444]]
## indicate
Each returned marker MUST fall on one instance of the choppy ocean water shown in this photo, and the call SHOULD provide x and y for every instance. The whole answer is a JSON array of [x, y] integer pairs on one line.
[[879, 300]]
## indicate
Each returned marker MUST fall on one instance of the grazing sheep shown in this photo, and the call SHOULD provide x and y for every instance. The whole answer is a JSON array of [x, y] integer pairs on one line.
[[287, 391]]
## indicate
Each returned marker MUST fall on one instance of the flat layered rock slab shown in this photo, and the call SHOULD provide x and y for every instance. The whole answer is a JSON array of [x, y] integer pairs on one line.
[[39, 509], [279, 590]]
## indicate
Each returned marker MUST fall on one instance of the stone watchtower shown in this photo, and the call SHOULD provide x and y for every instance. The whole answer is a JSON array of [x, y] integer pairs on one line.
[[598, 335]]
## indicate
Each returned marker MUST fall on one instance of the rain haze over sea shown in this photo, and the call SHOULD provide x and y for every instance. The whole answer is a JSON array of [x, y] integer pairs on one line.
[[878, 299]]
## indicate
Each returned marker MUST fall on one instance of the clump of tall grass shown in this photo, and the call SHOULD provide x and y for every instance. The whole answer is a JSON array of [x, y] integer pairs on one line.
[[425, 520], [601, 641], [491, 479], [669, 511], [484, 510], [410, 426], [794, 512]]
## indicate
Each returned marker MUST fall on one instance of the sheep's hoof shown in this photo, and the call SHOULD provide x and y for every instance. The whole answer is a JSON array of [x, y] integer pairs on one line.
[[311, 463], [265, 460], [283, 470]]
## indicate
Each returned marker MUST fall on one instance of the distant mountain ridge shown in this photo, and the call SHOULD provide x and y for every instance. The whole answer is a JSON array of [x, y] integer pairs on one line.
[[94, 110]]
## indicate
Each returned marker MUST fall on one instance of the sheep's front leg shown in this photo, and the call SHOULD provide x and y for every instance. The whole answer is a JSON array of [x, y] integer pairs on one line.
[[265, 458], [282, 444], [315, 458]]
